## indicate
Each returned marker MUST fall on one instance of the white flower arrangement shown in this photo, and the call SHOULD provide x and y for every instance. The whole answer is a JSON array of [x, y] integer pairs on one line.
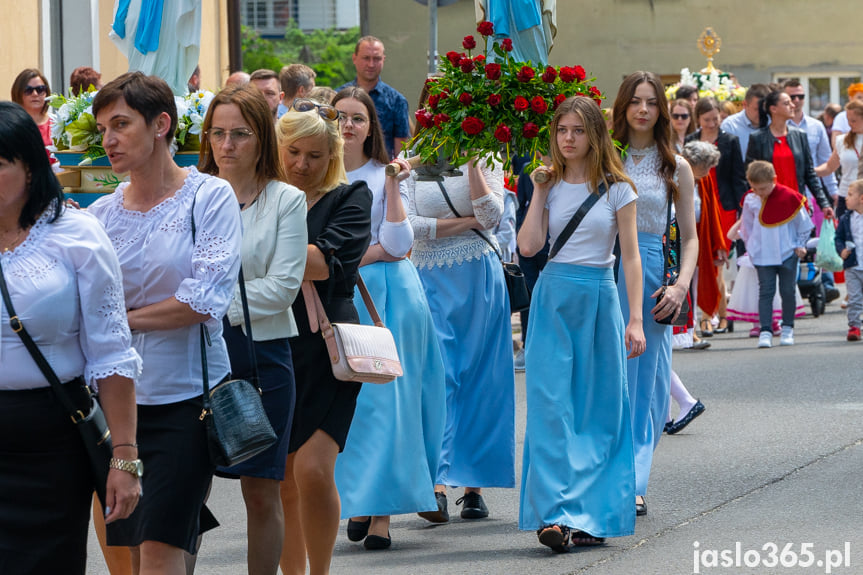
[[716, 84], [74, 126], [191, 110]]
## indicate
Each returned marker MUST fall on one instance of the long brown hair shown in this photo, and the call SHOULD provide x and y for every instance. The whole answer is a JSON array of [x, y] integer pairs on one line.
[[603, 162], [661, 130], [855, 107], [688, 105], [374, 146], [256, 112]]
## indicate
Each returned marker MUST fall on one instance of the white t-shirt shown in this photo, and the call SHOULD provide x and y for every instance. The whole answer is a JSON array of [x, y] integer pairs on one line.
[[848, 160], [592, 243], [840, 123], [395, 237]]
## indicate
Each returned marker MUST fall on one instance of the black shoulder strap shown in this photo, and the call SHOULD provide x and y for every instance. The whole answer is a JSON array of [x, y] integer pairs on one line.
[[576, 220], [477, 232]]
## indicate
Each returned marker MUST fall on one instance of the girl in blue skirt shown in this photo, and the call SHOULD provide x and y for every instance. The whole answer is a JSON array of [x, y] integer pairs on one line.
[[578, 478]]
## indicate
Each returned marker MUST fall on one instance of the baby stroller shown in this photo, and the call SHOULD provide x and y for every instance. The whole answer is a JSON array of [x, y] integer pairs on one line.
[[809, 280]]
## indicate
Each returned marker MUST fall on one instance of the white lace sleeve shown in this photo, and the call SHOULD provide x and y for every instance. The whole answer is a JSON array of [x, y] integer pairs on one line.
[[105, 338], [489, 209], [396, 238], [424, 228], [216, 257]]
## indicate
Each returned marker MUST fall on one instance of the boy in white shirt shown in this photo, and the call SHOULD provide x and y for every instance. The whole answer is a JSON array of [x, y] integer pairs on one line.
[[848, 237], [775, 226]]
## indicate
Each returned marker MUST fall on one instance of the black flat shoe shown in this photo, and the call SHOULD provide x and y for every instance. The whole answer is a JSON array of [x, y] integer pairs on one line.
[[556, 537], [641, 508], [439, 516], [693, 412], [357, 530], [668, 425], [376, 542], [474, 506]]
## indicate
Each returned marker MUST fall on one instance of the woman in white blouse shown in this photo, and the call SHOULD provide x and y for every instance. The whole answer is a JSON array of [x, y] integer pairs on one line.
[[846, 154], [240, 146], [173, 281], [463, 280], [64, 283], [390, 459]]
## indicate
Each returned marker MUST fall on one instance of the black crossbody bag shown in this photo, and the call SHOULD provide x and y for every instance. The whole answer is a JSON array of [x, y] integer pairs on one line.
[[671, 252], [92, 425]]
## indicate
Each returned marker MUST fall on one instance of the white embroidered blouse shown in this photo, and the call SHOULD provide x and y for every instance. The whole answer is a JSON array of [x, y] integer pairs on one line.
[[426, 205], [395, 237], [651, 207], [159, 260], [66, 287]]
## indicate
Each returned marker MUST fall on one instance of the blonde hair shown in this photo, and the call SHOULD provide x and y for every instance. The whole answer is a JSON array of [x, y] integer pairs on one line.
[[856, 186], [760, 172], [294, 126]]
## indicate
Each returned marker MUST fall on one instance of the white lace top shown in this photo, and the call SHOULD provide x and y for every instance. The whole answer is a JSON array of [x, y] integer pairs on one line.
[[395, 237], [66, 287], [159, 261], [652, 206], [426, 205]]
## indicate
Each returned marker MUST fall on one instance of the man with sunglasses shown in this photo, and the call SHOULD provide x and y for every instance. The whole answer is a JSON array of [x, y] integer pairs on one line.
[[391, 106], [819, 148]]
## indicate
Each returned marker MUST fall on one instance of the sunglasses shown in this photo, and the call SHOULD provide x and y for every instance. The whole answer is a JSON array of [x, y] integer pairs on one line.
[[41, 89], [680, 116], [800, 97], [325, 111]]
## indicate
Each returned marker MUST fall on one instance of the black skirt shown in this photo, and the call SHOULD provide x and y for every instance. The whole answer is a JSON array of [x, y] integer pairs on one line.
[[46, 485]]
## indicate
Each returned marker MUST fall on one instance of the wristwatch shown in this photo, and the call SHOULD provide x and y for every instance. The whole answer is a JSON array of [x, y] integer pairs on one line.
[[134, 466]]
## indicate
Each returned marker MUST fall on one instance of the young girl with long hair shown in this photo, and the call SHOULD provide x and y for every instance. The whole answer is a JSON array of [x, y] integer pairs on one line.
[[578, 480]]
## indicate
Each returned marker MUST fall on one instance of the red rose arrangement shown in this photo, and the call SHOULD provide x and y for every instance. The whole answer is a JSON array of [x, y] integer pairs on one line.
[[491, 107]]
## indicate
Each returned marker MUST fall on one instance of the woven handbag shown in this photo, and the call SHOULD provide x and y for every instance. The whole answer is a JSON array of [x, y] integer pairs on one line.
[[360, 353]]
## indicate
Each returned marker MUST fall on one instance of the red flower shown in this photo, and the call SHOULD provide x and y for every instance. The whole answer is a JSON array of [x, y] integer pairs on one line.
[[472, 126], [453, 57], [444, 94], [521, 104], [433, 100], [580, 75], [594, 92], [598, 102], [503, 134], [485, 28], [558, 100], [492, 71], [479, 59], [506, 44], [538, 105], [493, 100], [465, 98], [526, 74], [441, 119], [469, 43], [424, 118], [466, 65], [530, 130], [549, 75], [567, 74]]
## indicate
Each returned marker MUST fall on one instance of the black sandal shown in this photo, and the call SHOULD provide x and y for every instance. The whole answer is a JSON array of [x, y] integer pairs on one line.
[[554, 536], [581, 538]]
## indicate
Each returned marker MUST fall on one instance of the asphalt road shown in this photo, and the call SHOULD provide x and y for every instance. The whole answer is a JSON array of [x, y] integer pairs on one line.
[[768, 476]]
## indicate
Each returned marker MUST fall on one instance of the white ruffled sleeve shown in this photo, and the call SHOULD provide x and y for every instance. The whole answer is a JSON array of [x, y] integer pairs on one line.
[[397, 238], [489, 208], [216, 256], [104, 333], [424, 228]]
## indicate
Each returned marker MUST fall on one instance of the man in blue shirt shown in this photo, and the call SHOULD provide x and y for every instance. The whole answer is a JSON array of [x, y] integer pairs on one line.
[[744, 123], [391, 106]]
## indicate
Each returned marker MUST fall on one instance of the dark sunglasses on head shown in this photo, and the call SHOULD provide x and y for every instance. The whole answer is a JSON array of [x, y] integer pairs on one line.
[[680, 116], [41, 89], [325, 111], [800, 97]]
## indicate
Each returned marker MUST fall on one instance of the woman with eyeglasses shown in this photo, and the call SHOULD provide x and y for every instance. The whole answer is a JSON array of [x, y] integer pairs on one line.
[[31, 90], [390, 461], [682, 122], [339, 231], [239, 145]]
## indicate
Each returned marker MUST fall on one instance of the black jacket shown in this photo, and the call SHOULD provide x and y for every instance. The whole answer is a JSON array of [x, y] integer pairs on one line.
[[843, 234], [761, 148], [730, 173]]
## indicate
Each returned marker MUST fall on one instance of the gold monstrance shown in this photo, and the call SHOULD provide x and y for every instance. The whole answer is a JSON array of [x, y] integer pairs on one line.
[[709, 43]]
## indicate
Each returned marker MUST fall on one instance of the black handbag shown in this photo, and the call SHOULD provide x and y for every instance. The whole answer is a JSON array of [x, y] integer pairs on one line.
[[671, 267], [238, 427], [91, 425], [516, 284]]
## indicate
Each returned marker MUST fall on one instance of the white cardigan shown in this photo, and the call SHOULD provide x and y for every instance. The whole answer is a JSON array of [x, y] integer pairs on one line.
[[274, 260]]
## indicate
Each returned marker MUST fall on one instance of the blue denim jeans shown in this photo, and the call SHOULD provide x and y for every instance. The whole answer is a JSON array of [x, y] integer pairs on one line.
[[787, 274]]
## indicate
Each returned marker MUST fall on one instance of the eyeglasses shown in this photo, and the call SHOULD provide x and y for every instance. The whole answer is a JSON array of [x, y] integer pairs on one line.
[[357, 119], [239, 136], [680, 116], [800, 97], [41, 89], [325, 111]]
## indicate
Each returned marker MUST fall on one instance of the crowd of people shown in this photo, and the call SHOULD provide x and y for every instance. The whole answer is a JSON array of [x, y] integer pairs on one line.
[[138, 297]]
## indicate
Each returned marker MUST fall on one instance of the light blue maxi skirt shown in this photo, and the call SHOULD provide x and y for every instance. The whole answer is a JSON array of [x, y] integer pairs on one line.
[[391, 455], [470, 308], [650, 373], [577, 468]]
